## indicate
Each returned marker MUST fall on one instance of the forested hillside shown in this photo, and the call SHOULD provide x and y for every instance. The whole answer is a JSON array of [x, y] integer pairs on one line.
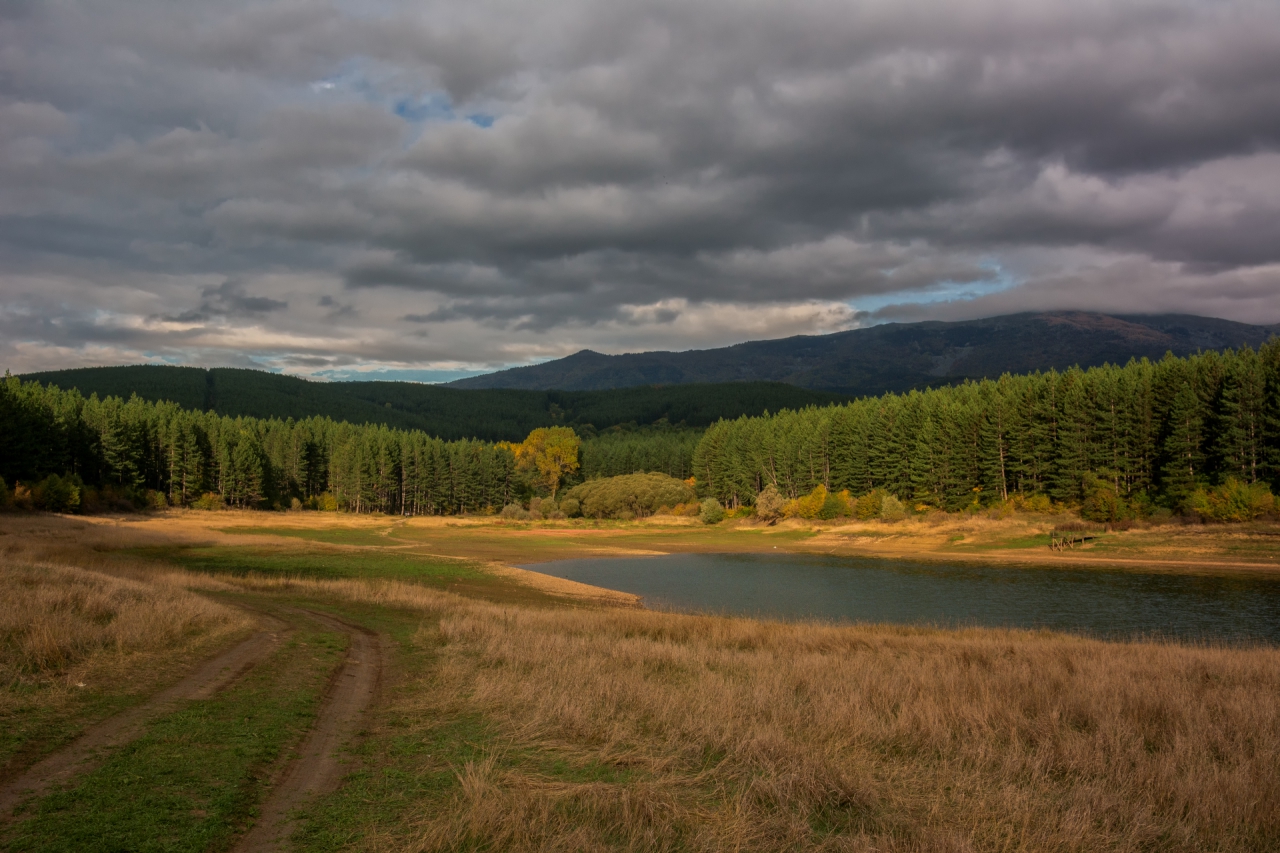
[[1135, 437], [899, 356], [1120, 441], [449, 413]]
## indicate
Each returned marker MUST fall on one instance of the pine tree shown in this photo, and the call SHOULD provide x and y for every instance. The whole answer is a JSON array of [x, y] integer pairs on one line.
[[1183, 446], [1241, 428]]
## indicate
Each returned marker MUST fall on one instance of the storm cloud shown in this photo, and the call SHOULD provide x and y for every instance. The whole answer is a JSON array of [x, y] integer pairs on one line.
[[332, 187]]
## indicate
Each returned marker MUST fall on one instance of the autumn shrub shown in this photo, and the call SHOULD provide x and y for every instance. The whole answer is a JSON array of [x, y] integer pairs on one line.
[[211, 501], [769, 504], [806, 506], [868, 506], [629, 495], [5, 498], [1234, 500]]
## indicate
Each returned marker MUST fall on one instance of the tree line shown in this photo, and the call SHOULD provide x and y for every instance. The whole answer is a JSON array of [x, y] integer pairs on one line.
[[1135, 438], [130, 448], [1132, 438]]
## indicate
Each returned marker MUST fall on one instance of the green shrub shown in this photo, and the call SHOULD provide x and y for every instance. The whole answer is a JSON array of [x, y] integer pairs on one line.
[[156, 500], [5, 497], [638, 495], [1233, 501], [891, 509], [1101, 502], [56, 494], [570, 507], [515, 512], [711, 511], [837, 505]]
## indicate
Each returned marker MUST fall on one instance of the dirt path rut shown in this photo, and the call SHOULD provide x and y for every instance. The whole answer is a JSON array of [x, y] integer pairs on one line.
[[87, 751], [316, 768]]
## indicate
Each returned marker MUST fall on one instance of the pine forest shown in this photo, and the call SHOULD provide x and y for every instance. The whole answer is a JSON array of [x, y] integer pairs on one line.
[[1123, 440]]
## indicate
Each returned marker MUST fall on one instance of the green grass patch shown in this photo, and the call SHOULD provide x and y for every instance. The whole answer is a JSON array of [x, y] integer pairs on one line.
[[192, 781], [317, 563], [31, 726], [328, 535], [1036, 540]]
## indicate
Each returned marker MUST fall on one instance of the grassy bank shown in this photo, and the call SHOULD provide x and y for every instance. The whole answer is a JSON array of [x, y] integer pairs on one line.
[[510, 721]]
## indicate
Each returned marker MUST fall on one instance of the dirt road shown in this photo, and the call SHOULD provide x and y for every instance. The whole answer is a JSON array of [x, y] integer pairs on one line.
[[87, 751], [317, 767]]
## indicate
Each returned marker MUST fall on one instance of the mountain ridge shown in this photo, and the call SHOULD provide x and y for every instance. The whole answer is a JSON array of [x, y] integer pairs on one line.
[[895, 356]]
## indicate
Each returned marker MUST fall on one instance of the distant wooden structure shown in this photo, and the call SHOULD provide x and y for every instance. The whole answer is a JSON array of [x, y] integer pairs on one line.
[[1061, 540]]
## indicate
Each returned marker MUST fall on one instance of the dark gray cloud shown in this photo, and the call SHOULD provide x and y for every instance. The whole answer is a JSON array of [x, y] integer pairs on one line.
[[326, 187]]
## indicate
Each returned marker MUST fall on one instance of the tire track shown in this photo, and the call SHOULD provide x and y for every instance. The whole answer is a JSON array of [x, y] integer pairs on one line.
[[316, 768], [90, 749]]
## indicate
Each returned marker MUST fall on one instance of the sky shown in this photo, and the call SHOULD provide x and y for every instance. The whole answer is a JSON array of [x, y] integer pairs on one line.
[[425, 190]]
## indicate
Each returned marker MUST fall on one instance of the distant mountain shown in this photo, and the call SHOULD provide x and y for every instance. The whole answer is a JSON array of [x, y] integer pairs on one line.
[[897, 356], [450, 413]]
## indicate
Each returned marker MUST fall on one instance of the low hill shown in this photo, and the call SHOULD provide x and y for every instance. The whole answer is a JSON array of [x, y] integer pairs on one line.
[[897, 356], [450, 413]]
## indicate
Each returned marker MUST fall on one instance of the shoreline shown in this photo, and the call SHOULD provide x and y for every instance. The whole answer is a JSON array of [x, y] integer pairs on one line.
[[564, 588]]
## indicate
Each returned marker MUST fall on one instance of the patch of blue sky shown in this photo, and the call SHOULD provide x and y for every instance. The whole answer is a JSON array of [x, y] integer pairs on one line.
[[427, 376], [370, 82], [433, 106], [942, 291]]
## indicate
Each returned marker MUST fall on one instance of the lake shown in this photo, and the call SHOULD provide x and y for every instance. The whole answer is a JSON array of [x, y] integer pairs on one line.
[[1099, 602]]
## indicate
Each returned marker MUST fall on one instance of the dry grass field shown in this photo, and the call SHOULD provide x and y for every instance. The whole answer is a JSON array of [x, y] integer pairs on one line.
[[506, 725]]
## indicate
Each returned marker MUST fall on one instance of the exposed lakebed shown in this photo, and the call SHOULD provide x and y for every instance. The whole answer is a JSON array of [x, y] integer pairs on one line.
[[1098, 602]]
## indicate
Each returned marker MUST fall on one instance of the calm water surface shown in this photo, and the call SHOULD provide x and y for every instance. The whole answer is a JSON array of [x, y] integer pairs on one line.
[[1100, 602]]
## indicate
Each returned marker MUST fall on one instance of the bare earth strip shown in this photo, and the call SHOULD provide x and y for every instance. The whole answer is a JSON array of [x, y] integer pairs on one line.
[[316, 768], [87, 751], [567, 588]]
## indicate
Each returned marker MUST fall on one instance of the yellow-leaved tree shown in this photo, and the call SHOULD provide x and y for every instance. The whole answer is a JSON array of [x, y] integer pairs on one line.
[[552, 452]]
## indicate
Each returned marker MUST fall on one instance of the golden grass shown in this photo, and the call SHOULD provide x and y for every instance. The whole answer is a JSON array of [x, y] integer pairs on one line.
[[62, 601], [53, 617], [749, 735], [755, 735]]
